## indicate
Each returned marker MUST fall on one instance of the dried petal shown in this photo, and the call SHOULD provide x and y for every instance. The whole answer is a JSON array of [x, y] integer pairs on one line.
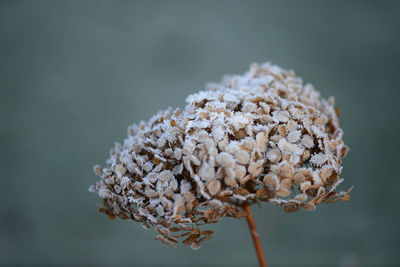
[[214, 187]]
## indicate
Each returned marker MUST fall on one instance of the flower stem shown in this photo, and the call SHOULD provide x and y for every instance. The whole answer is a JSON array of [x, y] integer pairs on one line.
[[254, 235]]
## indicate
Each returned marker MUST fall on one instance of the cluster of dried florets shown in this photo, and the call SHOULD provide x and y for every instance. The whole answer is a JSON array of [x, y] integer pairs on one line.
[[262, 136]]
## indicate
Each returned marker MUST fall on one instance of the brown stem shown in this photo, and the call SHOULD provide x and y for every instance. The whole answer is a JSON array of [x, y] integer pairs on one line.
[[254, 235]]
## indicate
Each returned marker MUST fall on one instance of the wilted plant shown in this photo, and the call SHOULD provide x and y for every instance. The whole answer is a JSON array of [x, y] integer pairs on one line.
[[260, 137]]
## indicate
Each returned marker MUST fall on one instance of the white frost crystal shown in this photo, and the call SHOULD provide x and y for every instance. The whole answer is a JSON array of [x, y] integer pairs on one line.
[[262, 136]]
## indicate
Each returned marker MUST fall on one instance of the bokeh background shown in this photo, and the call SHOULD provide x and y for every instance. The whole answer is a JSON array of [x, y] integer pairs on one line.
[[75, 74]]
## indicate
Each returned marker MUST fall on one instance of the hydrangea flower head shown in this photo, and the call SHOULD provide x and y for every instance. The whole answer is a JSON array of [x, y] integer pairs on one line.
[[258, 137]]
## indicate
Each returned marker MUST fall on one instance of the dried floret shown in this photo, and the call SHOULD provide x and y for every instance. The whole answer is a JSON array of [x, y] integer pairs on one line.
[[263, 136]]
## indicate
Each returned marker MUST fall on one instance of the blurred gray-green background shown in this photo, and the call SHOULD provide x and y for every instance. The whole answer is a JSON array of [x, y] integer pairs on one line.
[[75, 74]]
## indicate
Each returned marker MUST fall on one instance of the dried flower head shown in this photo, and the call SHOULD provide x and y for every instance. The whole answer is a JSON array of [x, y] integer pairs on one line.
[[262, 136]]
